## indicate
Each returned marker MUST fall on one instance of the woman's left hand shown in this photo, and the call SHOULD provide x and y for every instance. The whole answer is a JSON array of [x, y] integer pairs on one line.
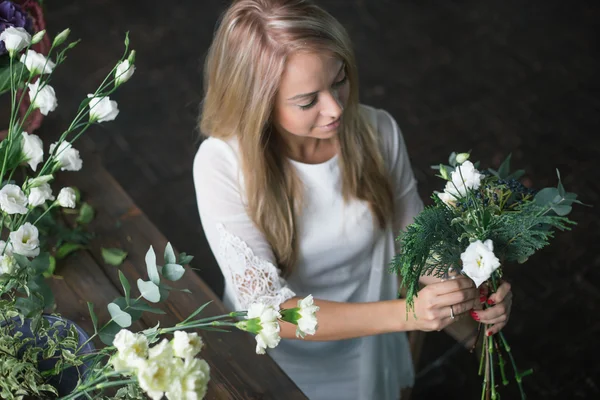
[[498, 311]]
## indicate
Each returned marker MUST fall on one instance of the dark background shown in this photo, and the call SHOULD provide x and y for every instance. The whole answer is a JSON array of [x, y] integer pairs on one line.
[[493, 77]]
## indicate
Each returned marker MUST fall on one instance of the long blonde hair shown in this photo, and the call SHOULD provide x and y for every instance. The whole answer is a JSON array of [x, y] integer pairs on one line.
[[241, 76]]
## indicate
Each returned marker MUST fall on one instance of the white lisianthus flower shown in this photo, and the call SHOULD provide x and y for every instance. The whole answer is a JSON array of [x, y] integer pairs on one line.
[[39, 195], [192, 381], [102, 109], [132, 350], [33, 149], [479, 261], [186, 345], [25, 240], [36, 63], [13, 200], [124, 72], [155, 376], [8, 264], [40, 180], [447, 198], [262, 320], [67, 198], [67, 156], [6, 248], [15, 39], [463, 178], [43, 98]]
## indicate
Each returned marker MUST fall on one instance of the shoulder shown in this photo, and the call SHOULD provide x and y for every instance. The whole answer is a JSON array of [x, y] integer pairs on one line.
[[388, 132], [216, 160]]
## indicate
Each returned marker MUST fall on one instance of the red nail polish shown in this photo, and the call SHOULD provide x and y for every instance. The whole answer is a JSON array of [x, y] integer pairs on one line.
[[490, 302], [482, 299], [474, 315], [488, 333]]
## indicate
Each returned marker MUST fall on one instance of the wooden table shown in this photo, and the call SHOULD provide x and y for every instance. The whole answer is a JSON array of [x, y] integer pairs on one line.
[[237, 372]]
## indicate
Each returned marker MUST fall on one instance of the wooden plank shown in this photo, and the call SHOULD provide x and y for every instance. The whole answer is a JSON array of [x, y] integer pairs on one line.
[[237, 372]]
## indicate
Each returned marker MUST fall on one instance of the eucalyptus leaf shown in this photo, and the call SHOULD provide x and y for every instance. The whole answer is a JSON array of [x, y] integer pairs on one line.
[[107, 333], [86, 214], [151, 266], [149, 290], [122, 302], [169, 255], [173, 272], [145, 307], [184, 259], [119, 316], [562, 209], [546, 196], [504, 169], [113, 256], [452, 159], [126, 286]]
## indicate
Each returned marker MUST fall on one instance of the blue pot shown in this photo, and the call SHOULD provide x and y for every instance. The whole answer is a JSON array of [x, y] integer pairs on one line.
[[66, 381]]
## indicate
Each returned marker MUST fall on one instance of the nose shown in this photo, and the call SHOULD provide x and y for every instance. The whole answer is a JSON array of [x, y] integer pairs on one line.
[[332, 106]]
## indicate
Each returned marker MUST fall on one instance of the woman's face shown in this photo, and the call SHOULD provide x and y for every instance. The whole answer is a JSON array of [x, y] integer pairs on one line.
[[313, 92]]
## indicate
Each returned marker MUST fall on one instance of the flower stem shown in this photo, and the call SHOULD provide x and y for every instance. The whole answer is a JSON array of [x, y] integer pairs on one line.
[[492, 369], [501, 362], [518, 375]]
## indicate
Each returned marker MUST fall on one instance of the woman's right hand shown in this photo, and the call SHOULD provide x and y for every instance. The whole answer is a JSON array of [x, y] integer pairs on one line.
[[432, 305]]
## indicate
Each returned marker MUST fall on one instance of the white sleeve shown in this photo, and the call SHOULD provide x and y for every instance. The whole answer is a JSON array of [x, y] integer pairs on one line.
[[241, 250], [407, 203]]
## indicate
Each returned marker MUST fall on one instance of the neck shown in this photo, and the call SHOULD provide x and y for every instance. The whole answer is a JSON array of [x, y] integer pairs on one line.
[[309, 150]]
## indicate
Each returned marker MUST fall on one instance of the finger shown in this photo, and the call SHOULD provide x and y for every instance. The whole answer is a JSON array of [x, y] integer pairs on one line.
[[495, 329], [489, 315], [445, 322], [457, 309], [501, 293], [452, 285], [460, 296]]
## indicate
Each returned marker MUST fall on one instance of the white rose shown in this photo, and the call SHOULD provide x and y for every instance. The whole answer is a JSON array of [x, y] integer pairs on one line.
[[33, 149], [191, 382], [67, 198], [25, 240], [8, 264], [464, 177], [186, 345], [36, 63], [479, 261], [13, 200], [307, 323], [124, 72], [102, 109], [15, 39], [6, 248], [67, 156], [39, 194], [44, 98], [268, 333], [155, 376]]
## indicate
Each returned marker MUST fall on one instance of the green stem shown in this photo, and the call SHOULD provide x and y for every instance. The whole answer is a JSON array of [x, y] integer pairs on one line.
[[518, 375], [501, 362], [492, 368]]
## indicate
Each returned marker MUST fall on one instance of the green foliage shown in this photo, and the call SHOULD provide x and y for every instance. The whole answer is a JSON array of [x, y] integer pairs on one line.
[[113, 256]]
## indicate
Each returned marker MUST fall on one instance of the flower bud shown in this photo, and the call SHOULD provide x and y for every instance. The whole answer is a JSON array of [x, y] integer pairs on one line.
[[38, 37], [61, 37], [462, 157], [444, 172]]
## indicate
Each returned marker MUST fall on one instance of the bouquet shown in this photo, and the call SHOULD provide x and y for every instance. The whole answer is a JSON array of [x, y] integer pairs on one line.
[[37, 349], [479, 223]]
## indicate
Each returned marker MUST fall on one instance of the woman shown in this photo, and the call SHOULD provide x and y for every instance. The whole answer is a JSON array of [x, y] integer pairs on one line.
[[301, 191]]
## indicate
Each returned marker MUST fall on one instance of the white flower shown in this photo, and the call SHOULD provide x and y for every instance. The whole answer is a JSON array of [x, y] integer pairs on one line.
[[447, 198], [462, 157], [39, 194], [102, 109], [262, 320], [33, 149], [132, 350], [6, 248], [124, 72], [464, 177], [155, 376], [161, 352], [307, 323], [192, 381], [25, 240], [67, 156], [67, 198], [13, 200], [186, 345], [43, 98], [8, 264], [479, 261], [36, 63], [15, 39]]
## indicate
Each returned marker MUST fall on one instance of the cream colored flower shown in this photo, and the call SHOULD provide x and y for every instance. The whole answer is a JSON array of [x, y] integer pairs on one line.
[[191, 382], [155, 375], [307, 323], [186, 345]]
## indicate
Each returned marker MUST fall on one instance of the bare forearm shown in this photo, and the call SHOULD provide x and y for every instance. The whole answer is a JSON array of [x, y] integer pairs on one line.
[[338, 321]]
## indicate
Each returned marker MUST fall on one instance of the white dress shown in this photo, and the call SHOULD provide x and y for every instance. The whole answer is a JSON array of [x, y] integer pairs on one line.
[[343, 256]]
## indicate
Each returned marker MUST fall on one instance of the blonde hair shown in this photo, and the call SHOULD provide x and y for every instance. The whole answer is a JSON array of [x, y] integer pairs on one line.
[[242, 74]]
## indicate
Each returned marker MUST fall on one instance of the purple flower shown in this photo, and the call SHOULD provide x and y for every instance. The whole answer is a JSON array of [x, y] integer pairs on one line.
[[12, 14]]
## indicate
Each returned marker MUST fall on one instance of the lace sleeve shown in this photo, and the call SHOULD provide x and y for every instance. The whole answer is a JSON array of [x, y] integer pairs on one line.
[[253, 278]]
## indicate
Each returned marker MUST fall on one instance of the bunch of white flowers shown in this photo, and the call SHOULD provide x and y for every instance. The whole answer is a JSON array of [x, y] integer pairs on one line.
[[170, 368], [465, 177]]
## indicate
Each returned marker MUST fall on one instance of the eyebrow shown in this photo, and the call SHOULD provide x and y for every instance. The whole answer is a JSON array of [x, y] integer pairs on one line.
[[299, 96]]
